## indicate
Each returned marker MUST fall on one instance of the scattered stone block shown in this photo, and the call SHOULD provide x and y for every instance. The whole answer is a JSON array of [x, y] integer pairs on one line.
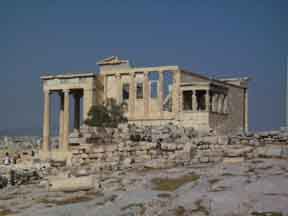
[[233, 160], [71, 184]]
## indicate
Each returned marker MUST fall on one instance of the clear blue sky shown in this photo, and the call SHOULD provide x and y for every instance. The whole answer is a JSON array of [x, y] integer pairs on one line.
[[242, 38]]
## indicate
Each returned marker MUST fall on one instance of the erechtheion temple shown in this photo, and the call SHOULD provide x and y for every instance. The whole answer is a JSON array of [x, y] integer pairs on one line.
[[150, 95]]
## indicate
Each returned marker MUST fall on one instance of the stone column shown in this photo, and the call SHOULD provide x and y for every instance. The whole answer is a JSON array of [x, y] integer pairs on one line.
[[66, 125], [76, 111], [246, 124], [225, 104], [46, 121], [132, 95], [216, 101], [61, 117], [207, 101], [194, 101], [88, 101], [210, 101], [146, 94], [160, 91], [105, 87], [176, 91], [220, 104], [119, 89]]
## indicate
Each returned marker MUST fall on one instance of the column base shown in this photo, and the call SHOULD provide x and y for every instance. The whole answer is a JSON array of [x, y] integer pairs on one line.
[[56, 155]]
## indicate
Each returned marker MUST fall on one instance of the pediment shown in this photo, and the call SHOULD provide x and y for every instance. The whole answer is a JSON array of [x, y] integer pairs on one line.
[[113, 60]]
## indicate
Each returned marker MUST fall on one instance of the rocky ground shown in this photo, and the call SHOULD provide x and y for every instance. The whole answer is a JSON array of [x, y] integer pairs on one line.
[[257, 187]]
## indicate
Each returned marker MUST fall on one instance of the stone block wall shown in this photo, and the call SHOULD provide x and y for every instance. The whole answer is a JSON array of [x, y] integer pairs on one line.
[[233, 121], [115, 148], [115, 155], [170, 145]]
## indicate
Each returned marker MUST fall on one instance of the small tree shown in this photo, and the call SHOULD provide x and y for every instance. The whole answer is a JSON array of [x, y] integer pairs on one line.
[[106, 115]]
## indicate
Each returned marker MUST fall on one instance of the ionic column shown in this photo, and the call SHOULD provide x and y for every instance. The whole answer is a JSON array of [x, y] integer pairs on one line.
[[76, 111], [132, 95], [246, 123], [176, 91], [105, 87], [61, 118], [207, 101], [160, 90], [194, 101], [46, 121], [220, 100], [66, 126], [146, 94], [225, 105], [119, 89], [89, 95], [210, 101], [215, 104]]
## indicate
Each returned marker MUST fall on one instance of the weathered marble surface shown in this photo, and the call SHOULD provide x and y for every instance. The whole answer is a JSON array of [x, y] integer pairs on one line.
[[258, 185]]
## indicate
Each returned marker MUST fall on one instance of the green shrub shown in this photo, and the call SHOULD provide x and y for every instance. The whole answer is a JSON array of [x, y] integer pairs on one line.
[[106, 115]]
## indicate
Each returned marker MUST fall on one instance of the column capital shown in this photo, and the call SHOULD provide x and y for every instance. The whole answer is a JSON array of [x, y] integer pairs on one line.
[[66, 91], [47, 91]]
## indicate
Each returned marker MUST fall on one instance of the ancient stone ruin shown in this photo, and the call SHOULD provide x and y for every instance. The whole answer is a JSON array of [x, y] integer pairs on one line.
[[150, 96], [185, 150]]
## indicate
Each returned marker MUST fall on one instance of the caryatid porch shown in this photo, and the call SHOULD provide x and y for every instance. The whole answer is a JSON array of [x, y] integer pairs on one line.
[[77, 85]]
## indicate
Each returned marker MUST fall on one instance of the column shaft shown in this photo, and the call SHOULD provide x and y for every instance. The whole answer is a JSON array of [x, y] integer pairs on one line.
[[61, 118], [161, 93], [225, 105], [176, 91], [146, 94], [119, 89], [216, 98], [220, 103], [194, 101], [105, 88], [88, 101], [46, 122], [76, 111], [207, 101], [132, 95], [66, 128], [246, 124]]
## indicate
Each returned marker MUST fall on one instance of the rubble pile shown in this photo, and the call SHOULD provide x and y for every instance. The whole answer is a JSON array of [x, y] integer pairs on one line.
[[3, 181], [168, 133], [262, 144], [22, 177], [261, 138], [23, 174]]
